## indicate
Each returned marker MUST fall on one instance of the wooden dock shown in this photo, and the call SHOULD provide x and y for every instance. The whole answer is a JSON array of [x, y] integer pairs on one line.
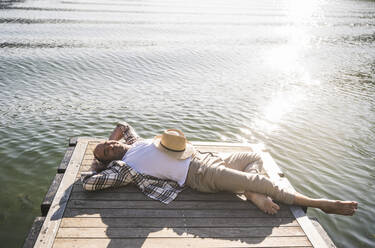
[[124, 217]]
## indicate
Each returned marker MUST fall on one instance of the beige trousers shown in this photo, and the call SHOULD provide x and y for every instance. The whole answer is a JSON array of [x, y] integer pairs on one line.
[[234, 172]]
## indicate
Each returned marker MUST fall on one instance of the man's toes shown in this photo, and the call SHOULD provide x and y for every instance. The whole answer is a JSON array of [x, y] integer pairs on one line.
[[268, 209], [350, 213], [275, 208]]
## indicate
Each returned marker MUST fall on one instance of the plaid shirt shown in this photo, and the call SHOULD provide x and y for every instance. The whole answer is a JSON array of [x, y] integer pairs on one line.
[[118, 173]]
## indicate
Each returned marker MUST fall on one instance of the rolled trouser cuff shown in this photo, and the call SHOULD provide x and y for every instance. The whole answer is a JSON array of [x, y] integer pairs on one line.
[[263, 185], [284, 195]]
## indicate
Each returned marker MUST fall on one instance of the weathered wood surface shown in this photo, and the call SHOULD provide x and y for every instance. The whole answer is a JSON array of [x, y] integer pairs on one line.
[[322, 232], [300, 242], [52, 221], [33, 232], [65, 161], [124, 217], [153, 213], [144, 222], [276, 175], [177, 232], [46, 204], [50, 195]]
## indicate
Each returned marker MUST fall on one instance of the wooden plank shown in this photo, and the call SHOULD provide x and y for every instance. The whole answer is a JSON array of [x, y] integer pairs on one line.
[[78, 188], [177, 222], [87, 139], [166, 232], [183, 242], [276, 175], [113, 204], [47, 201], [311, 232], [73, 141], [65, 161], [138, 196], [33, 232], [166, 213], [51, 224], [86, 166], [322, 232]]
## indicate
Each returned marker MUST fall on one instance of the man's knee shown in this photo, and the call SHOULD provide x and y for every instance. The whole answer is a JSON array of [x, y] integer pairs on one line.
[[254, 162]]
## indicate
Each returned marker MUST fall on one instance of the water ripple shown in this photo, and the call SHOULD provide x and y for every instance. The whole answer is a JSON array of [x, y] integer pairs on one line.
[[300, 82]]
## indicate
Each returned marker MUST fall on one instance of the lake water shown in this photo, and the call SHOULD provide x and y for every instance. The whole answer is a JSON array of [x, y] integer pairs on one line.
[[294, 75]]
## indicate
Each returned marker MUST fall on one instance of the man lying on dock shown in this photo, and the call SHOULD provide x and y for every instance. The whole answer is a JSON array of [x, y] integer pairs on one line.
[[163, 166]]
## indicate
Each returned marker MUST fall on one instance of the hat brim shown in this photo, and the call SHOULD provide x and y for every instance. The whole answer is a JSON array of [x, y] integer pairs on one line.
[[188, 152]]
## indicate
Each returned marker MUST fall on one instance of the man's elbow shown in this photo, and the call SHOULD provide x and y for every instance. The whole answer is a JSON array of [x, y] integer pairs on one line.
[[87, 180], [88, 186]]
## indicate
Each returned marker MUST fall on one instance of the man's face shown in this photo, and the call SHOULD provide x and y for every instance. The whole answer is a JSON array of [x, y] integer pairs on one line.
[[109, 150]]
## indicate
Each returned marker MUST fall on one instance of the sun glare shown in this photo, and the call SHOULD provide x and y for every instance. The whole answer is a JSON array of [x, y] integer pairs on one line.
[[289, 62]]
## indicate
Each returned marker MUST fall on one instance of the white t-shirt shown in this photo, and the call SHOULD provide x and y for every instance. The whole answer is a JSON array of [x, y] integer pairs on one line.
[[145, 158]]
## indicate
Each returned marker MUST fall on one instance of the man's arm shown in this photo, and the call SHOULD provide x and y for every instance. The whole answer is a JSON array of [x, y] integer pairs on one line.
[[124, 130], [113, 176], [116, 134]]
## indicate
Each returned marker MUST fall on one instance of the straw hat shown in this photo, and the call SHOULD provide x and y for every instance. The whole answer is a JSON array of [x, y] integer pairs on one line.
[[174, 143]]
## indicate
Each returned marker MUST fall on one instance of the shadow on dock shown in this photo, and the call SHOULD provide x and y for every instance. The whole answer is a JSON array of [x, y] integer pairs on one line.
[[109, 220]]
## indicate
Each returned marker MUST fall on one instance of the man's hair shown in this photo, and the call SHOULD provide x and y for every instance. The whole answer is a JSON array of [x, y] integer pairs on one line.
[[103, 161]]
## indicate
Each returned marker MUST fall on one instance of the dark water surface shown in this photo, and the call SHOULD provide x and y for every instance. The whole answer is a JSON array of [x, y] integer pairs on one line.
[[296, 76]]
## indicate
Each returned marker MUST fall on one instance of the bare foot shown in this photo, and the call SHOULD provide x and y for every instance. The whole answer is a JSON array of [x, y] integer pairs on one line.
[[338, 207], [263, 202]]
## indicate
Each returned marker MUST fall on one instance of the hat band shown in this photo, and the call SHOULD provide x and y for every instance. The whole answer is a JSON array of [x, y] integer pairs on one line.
[[171, 149]]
